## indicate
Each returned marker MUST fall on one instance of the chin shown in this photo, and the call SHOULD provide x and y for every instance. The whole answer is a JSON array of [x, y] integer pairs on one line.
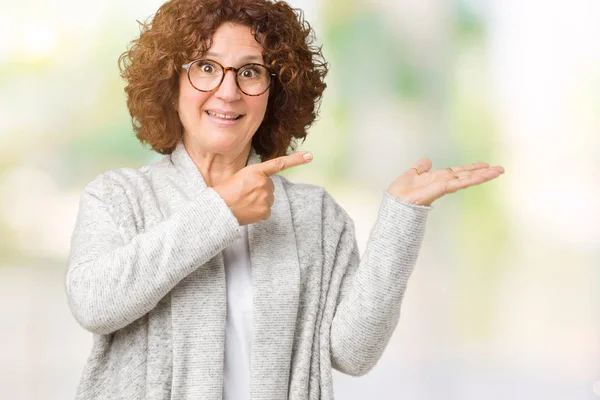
[[220, 140]]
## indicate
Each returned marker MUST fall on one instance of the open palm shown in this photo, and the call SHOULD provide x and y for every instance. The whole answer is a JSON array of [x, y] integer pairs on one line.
[[421, 186]]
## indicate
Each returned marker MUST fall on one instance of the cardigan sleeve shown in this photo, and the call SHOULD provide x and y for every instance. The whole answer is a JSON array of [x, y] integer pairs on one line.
[[372, 287], [110, 283]]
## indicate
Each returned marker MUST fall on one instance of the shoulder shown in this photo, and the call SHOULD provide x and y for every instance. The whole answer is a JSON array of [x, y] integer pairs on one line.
[[128, 182], [131, 196]]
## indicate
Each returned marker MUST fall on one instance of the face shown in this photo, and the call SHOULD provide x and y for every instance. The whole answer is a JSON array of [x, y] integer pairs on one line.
[[232, 45]]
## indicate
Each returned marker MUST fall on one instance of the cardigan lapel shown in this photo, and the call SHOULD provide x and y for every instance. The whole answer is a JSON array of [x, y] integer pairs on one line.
[[198, 309], [199, 304], [276, 289]]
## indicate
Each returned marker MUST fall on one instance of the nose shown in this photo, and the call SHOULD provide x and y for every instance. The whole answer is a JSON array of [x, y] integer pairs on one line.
[[228, 90]]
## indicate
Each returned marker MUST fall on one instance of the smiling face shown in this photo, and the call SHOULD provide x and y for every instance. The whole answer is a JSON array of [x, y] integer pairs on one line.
[[223, 121]]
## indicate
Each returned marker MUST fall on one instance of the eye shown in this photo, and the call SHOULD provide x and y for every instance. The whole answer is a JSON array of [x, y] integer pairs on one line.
[[206, 67], [248, 72], [252, 72]]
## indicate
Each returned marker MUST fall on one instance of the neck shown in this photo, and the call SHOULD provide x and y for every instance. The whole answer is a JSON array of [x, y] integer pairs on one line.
[[217, 167]]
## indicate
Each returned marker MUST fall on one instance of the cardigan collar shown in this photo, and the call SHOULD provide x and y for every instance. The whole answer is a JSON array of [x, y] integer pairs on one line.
[[198, 303]]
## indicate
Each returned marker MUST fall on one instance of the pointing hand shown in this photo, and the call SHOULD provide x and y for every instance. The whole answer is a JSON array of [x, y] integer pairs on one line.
[[249, 193]]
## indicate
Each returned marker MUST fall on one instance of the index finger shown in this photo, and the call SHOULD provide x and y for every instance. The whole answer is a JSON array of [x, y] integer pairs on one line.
[[284, 162]]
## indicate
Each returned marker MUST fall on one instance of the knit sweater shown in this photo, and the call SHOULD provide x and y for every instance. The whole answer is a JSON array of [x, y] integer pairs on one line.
[[146, 277]]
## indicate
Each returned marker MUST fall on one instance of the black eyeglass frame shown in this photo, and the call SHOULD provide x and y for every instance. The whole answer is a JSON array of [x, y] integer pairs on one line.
[[188, 66]]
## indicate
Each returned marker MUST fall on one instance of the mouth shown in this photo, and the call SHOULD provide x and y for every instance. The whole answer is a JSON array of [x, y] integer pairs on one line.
[[229, 116]]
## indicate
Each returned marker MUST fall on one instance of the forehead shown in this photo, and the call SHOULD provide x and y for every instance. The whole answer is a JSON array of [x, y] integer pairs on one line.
[[232, 38]]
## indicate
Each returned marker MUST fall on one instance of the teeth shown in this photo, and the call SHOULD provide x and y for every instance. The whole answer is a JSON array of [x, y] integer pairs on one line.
[[222, 115]]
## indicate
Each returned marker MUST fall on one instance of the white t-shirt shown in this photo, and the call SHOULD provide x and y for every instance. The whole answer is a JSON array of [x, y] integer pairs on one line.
[[238, 328]]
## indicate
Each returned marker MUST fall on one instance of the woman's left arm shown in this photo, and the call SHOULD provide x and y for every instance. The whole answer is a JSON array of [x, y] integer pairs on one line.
[[372, 288]]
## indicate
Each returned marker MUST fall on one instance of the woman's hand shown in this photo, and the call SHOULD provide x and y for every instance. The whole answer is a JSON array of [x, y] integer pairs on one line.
[[249, 193], [420, 186]]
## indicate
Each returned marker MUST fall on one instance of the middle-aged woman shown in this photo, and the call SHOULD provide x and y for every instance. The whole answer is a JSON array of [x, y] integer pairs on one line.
[[206, 275]]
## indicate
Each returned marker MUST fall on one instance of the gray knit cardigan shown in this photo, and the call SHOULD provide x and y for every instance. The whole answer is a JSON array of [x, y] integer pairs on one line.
[[146, 277]]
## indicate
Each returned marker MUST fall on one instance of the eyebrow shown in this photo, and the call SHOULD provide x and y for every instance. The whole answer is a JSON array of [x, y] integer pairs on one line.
[[252, 58]]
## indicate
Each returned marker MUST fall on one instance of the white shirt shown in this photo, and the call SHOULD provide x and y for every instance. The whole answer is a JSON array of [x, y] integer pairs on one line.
[[238, 327]]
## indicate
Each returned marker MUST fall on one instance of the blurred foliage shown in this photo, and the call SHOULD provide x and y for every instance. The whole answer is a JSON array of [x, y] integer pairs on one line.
[[111, 148], [370, 59], [470, 23], [479, 216], [367, 61]]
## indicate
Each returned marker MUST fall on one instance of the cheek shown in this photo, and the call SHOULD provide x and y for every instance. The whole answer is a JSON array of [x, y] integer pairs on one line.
[[191, 102], [259, 107], [192, 96], [189, 98]]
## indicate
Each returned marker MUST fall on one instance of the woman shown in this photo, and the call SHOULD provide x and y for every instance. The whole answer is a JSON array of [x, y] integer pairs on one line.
[[205, 275]]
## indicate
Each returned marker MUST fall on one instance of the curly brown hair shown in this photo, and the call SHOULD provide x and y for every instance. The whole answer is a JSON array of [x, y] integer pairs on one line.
[[182, 29]]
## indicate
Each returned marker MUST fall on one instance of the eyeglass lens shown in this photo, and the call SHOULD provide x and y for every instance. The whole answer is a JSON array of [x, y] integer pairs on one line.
[[253, 79]]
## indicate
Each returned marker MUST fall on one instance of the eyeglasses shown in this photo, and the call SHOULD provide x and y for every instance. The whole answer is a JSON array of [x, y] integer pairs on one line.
[[207, 75]]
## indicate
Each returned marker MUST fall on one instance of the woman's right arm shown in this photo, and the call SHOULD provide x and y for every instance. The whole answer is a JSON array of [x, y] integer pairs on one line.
[[111, 283]]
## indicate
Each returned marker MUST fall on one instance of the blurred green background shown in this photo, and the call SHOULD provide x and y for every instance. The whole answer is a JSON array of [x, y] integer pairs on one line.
[[504, 301]]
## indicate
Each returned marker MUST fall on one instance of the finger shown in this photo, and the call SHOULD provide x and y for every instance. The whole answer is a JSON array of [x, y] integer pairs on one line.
[[490, 173], [281, 163], [421, 166], [471, 179], [475, 168], [470, 167]]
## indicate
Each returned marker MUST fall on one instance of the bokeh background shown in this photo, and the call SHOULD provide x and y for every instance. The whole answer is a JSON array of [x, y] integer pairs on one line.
[[505, 300]]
